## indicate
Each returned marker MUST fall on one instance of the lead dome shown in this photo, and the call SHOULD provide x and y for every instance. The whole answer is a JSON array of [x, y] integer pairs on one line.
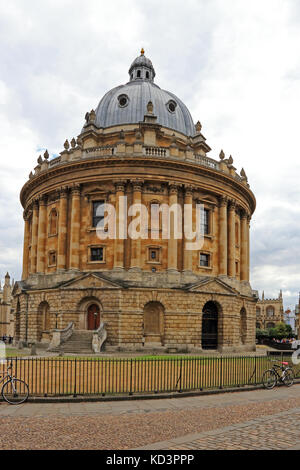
[[126, 104]]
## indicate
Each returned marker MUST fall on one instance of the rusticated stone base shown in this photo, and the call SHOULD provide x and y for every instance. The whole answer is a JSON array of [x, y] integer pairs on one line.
[[135, 314]]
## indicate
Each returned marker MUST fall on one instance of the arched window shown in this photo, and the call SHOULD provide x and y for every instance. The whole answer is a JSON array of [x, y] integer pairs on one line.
[[147, 74], [53, 222], [270, 312], [138, 74]]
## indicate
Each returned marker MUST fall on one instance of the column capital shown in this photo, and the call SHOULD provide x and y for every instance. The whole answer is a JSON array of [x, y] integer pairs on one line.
[[43, 200], [120, 185], [232, 204], [223, 200], [188, 190], [63, 192], [75, 189], [137, 184], [173, 188], [244, 214]]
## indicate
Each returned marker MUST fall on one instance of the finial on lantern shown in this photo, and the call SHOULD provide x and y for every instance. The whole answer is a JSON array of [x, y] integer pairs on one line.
[[142, 51]]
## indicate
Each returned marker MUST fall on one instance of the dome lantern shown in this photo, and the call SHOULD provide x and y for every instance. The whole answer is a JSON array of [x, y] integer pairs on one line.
[[142, 68]]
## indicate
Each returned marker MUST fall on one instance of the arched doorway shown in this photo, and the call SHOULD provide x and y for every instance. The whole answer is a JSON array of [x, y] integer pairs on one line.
[[210, 326], [153, 322], [93, 317]]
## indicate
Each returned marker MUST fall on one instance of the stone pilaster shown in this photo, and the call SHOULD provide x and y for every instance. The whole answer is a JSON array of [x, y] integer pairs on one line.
[[231, 239], [62, 229], [223, 236], [75, 227], [135, 262], [26, 247], [42, 232], [121, 213]]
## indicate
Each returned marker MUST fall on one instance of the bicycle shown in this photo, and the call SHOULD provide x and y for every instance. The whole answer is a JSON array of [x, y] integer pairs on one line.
[[272, 376], [14, 391]]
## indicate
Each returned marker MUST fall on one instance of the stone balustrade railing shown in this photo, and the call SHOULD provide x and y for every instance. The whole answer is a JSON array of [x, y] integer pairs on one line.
[[99, 337], [156, 151], [61, 336], [107, 151]]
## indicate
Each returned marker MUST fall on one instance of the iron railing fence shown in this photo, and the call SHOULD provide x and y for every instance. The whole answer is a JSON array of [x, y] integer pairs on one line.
[[124, 376]]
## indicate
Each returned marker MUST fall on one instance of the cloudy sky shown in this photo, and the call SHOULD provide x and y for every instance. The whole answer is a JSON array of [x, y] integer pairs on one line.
[[235, 64]]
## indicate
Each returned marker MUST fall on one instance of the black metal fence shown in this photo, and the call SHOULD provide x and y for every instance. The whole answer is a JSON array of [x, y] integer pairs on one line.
[[101, 376]]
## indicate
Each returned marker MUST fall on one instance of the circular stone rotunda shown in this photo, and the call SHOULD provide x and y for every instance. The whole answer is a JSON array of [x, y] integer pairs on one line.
[[80, 292]]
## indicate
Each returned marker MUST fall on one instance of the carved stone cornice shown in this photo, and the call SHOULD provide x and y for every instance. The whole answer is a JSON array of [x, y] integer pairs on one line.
[[187, 168]]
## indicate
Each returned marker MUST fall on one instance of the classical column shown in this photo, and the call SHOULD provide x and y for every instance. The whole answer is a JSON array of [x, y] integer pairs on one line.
[[223, 236], [121, 213], [34, 236], [244, 247], [75, 227], [231, 239], [248, 247], [172, 242], [26, 247], [136, 244], [62, 229], [42, 231], [188, 226]]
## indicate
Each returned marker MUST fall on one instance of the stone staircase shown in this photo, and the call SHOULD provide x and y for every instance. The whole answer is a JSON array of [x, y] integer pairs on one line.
[[80, 342]]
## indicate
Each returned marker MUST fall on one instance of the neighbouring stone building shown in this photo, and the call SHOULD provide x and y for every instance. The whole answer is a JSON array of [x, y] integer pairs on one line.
[[6, 315], [151, 292], [269, 312]]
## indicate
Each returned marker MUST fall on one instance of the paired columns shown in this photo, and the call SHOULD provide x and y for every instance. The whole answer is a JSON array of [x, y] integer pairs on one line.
[[228, 216]]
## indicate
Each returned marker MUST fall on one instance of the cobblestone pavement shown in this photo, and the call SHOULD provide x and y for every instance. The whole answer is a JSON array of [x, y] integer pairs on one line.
[[242, 420]]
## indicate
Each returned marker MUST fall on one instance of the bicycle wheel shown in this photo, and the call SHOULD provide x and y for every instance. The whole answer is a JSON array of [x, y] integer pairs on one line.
[[288, 378], [15, 391], [269, 379]]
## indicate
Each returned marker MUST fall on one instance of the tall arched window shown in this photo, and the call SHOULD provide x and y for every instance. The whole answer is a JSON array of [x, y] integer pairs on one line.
[[53, 222], [270, 312]]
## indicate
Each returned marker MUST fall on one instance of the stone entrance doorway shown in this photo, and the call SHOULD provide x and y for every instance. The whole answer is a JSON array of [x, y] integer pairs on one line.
[[210, 326], [93, 317], [153, 322]]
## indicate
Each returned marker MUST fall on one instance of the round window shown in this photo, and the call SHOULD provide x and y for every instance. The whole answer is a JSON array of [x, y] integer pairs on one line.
[[171, 106], [123, 100]]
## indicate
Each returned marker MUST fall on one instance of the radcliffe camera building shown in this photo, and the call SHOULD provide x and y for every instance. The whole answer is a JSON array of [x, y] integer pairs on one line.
[[140, 142]]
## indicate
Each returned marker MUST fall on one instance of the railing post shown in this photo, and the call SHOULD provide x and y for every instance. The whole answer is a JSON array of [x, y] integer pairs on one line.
[[221, 372], [75, 379], [130, 389]]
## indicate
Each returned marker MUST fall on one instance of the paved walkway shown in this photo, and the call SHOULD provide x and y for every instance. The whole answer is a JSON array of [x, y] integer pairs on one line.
[[259, 419]]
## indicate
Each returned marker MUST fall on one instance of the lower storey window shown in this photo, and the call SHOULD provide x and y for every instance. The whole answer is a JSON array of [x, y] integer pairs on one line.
[[52, 258], [204, 260], [97, 254]]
